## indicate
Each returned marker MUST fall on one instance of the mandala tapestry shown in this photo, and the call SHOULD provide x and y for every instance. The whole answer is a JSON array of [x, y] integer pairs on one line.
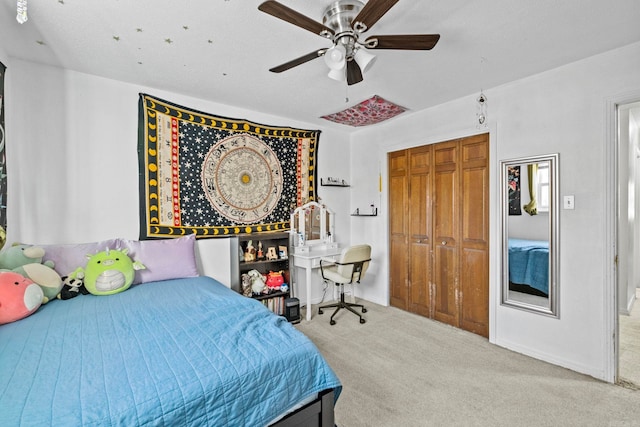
[[214, 176], [3, 167]]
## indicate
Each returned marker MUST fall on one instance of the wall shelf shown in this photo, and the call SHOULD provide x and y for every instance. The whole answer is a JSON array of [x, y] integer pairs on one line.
[[334, 184], [357, 213]]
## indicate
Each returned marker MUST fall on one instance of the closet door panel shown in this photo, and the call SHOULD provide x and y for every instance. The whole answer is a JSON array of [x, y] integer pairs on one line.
[[474, 292], [419, 231], [398, 220], [474, 242], [445, 298], [445, 232]]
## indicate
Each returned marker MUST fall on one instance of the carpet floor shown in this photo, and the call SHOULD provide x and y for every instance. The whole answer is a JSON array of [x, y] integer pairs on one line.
[[401, 369]]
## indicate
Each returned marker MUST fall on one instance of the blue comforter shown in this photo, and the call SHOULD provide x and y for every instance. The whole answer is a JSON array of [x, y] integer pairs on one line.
[[176, 353], [529, 263]]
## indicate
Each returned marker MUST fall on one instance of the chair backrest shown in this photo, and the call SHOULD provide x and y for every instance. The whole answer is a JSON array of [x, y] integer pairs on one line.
[[356, 254]]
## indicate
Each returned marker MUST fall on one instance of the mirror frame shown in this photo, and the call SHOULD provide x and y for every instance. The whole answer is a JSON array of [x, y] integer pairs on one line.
[[554, 214], [326, 225]]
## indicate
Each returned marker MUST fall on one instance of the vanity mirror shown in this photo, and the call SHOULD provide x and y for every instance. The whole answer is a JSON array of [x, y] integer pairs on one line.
[[312, 225], [529, 206]]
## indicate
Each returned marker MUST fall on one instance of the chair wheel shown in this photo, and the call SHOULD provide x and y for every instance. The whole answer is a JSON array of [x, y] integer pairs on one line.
[[364, 310], [362, 320], [333, 322], [320, 311]]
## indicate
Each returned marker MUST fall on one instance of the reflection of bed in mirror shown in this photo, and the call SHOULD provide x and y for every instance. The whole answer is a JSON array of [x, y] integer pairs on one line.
[[529, 266]]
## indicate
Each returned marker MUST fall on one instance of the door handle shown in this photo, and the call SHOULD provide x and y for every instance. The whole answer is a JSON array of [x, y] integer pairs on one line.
[[444, 243]]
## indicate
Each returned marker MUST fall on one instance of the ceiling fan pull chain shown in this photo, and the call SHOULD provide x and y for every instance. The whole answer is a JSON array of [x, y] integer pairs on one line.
[[22, 17]]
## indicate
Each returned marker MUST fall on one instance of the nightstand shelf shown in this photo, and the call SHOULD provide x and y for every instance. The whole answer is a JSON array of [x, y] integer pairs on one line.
[[270, 253]]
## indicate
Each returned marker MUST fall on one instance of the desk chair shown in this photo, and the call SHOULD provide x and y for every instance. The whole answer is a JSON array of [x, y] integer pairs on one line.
[[350, 268]]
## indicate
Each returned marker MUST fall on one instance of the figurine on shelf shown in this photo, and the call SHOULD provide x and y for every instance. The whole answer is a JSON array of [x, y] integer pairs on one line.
[[272, 255], [260, 252], [250, 253], [282, 252]]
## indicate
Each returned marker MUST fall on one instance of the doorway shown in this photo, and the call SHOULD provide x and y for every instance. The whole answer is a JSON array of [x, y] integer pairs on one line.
[[628, 244]]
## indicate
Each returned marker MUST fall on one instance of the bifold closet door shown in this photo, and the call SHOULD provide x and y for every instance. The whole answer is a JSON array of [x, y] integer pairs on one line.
[[439, 231]]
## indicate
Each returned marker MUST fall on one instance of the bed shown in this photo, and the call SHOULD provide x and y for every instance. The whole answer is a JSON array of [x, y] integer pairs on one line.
[[181, 352], [529, 265]]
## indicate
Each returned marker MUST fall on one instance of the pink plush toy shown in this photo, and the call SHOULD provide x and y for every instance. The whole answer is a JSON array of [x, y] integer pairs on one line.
[[19, 297]]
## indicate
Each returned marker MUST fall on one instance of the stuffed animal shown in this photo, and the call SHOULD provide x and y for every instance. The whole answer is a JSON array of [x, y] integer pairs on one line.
[[27, 261], [246, 285], [19, 297], [72, 287], [258, 285], [275, 280], [108, 272]]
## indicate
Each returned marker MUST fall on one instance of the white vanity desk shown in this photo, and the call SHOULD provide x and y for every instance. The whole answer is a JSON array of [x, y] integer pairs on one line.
[[311, 240], [309, 261]]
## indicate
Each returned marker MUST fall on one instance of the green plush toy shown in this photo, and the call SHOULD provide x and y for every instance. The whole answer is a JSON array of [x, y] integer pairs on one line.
[[27, 261], [108, 272]]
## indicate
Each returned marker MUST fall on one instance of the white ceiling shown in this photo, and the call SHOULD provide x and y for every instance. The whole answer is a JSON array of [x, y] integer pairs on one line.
[[221, 50]]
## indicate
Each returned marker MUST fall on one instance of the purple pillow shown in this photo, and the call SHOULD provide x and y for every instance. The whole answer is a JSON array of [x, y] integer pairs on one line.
[[67, 258], [164, 259]]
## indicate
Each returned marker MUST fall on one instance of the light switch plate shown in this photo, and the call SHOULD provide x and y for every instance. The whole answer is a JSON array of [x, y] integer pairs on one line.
[[569, 202]]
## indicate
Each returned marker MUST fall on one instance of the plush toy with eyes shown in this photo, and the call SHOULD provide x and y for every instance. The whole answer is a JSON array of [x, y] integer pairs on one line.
[[19, 297], [108, 272], [27, 260]]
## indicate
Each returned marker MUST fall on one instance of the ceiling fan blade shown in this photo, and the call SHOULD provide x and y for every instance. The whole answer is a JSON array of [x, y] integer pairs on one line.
[[298, 61], [285, 13], [371, 13], [354, 73], [405, 42]]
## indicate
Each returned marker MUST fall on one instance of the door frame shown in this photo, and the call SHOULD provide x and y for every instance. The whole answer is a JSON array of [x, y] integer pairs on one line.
[[611, 221]]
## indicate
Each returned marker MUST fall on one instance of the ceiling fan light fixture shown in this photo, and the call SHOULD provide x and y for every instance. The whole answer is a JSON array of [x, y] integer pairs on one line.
[[364, 59], [338, 75], [335, 57]]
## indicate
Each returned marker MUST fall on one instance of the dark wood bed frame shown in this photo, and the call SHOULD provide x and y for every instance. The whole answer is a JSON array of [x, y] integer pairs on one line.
[[318, 413]]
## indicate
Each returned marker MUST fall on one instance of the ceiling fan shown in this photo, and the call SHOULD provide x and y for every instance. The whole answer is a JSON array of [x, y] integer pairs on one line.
[[344, 22]]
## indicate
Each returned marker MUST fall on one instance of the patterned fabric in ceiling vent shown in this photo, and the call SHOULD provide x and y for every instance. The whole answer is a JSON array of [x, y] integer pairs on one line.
[[368, 112]]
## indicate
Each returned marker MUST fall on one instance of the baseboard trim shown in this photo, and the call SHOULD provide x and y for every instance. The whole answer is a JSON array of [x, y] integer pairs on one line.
[[554, 360]]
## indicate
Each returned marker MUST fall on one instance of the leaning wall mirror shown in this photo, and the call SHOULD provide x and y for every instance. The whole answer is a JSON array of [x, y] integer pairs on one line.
[[529, 205]]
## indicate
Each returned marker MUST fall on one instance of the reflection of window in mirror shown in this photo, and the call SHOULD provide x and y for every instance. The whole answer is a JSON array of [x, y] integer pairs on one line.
[[543, 187]]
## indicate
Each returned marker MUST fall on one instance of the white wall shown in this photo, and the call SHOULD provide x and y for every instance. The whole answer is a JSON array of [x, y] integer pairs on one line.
[[73, 164], [560, 111]]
